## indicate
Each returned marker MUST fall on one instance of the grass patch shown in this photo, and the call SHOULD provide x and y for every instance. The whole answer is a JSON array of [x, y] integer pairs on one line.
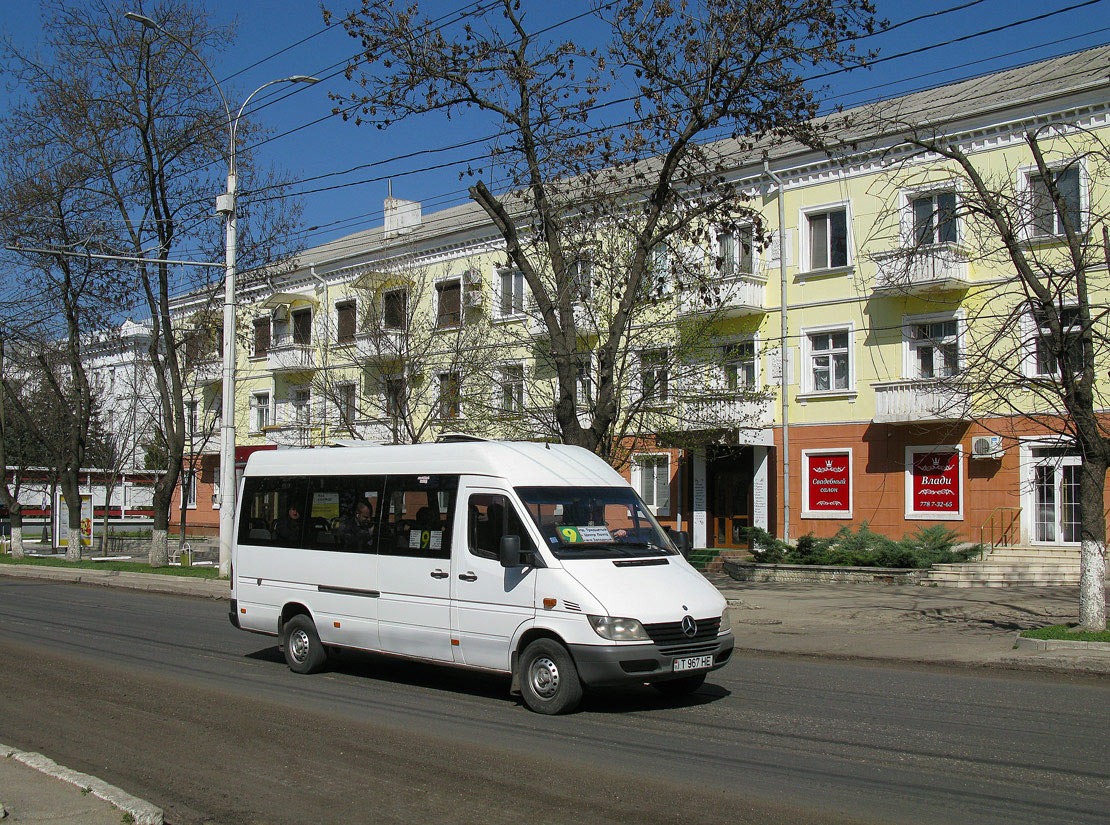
[[123, 566], [1067, 631]]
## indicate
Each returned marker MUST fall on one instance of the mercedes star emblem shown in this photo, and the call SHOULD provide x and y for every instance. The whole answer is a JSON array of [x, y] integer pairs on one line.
[[689, 626]]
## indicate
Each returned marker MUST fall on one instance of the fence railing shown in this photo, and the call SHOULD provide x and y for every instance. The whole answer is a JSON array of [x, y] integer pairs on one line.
[[1000, 529]]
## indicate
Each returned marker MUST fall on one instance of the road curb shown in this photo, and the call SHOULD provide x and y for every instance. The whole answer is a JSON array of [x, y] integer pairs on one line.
[[141, 811], [150, 582], [1060, 644]]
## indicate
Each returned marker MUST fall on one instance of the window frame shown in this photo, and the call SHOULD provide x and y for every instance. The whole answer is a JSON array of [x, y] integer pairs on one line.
[[909, 214], [267, 322], [189, 483], [449, 407], [351, 305], [805, 216], [809, 384], [444, 320], [654, 398], [506, 385], [404, 308], [1029, 173], [909, 349], [907, 475], [657, 459], [255, 427], [517, 303], [726, 362], [1036, 333], [736, 234]]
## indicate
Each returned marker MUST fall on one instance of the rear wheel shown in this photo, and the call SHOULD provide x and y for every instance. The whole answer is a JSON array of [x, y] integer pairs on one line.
[[304, 653], [680, 687], [549, 680]]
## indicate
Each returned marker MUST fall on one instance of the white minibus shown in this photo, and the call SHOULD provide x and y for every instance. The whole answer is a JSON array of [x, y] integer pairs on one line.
[[535, 560]]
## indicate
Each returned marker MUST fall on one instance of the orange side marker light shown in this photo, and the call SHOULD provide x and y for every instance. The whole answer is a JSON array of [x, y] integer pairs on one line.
[[549, 603]]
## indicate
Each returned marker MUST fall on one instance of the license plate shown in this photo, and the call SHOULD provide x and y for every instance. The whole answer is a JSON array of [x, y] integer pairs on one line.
[[693, 663]]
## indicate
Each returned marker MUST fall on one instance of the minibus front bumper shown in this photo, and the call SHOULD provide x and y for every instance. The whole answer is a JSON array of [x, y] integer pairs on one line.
[[603, 665]]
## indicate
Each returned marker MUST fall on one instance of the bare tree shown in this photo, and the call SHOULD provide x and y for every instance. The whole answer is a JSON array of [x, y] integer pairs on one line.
[[137, 111], [577, 183], [1035, 337]]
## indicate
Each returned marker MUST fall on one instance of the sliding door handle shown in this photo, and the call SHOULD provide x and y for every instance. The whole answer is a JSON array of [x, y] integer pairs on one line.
[[439, 574], [468, 576]]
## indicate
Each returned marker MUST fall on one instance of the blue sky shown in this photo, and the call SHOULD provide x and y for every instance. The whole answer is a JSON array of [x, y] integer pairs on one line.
[[329, 146]]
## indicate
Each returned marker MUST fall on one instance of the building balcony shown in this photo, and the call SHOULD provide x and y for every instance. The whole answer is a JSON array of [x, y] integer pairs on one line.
[[720, 411], [732, 297], [208, 371], [380, 344], [915, 400], [927, 269], [286, 356]]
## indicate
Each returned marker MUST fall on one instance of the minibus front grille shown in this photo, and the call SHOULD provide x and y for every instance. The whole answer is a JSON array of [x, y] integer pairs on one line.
[[700, 649], [670, 634]]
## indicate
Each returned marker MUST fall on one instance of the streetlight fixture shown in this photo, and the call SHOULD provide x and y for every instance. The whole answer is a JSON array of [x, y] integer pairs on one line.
[[225, 205]]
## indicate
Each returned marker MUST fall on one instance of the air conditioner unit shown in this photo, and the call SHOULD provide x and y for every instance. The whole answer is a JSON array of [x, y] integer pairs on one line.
[[472, 277], [987, 446], [474, 298]]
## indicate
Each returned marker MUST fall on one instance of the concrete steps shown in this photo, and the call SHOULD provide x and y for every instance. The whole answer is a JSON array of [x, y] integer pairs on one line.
[[712, 560], [1009, 566]]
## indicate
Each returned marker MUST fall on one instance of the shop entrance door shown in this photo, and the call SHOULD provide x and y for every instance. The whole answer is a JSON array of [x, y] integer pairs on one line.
[[730, 483], [1055, 495]]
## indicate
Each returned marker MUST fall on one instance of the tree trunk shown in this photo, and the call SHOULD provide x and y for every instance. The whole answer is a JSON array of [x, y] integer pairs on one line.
[[159, 537], [109, 489], [17, 532], [73, 546], [1092, 575]]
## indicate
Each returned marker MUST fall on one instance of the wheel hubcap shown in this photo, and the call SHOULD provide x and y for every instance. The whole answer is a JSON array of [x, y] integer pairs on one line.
[[544, 677], [298, 645]]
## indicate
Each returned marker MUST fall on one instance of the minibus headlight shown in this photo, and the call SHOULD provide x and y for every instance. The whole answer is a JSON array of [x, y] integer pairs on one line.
[[726, 625], [618, 630]]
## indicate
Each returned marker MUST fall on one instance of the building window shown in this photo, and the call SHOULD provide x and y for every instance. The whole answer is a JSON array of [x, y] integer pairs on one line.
[[512, 388], [260, 412], [191, 423], [301, 407], [651, 476], [1046, 357], [345, 322], [449, 387], [934, 348], [653, 375], [583, 383], [738, 364], [580, 275], [395, 403], [829, 357], [734, 251], [261, 336], [345, 403], [934, 218], [302, 327], [448, 304], [1047, 220], [189, 488], [216, 494], [934, 485], [510, 299], [827, 235], [395, 309], [827, 483]]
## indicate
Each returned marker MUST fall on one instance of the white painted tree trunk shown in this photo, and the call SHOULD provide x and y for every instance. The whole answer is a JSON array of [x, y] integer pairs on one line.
[[17, 542], [1092, 584], [73, 546], [159, 548]]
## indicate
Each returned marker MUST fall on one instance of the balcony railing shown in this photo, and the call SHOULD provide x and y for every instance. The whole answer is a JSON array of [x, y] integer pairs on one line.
[[286, 355], [918, 400], [378, 344], [720, 411], [729, 297], [208, 371], [925, 269]]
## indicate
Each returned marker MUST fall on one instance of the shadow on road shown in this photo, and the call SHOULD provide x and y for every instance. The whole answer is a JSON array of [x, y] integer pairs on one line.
[[364, 665]]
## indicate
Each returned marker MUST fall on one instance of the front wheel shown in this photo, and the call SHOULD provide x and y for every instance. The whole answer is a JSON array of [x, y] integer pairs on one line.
[[549, 680], [304, 653], [680, 687]]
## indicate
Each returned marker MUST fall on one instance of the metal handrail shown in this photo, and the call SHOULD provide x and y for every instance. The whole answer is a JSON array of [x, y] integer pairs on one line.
[[1003, 527]]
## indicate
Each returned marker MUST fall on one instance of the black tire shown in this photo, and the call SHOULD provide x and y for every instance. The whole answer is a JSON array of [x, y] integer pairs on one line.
[[304, 653], [549, 680], [680, 687]]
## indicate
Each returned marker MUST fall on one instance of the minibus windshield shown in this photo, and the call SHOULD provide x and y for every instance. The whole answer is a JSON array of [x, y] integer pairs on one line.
[[594, 522]]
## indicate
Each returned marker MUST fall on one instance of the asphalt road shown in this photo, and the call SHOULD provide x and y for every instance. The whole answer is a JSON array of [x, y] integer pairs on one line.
[[160, 695]]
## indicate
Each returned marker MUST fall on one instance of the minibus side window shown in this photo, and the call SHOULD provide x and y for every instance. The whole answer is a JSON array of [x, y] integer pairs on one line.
[[491, 516], [273, 511], [349, 508], [417, 515]]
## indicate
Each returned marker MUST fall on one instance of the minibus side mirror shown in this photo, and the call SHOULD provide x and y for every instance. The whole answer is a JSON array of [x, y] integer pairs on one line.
[[681, 541], [510, 551]]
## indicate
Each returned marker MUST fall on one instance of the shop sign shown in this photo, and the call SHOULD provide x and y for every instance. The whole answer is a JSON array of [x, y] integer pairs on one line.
[[935, 482], [829, 482]]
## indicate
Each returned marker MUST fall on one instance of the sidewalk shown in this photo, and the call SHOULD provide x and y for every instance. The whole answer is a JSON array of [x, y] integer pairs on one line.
[[935, 625], [35, 789]]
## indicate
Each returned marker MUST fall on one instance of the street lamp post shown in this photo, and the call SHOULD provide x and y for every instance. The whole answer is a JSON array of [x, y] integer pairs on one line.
[[225, 205]]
